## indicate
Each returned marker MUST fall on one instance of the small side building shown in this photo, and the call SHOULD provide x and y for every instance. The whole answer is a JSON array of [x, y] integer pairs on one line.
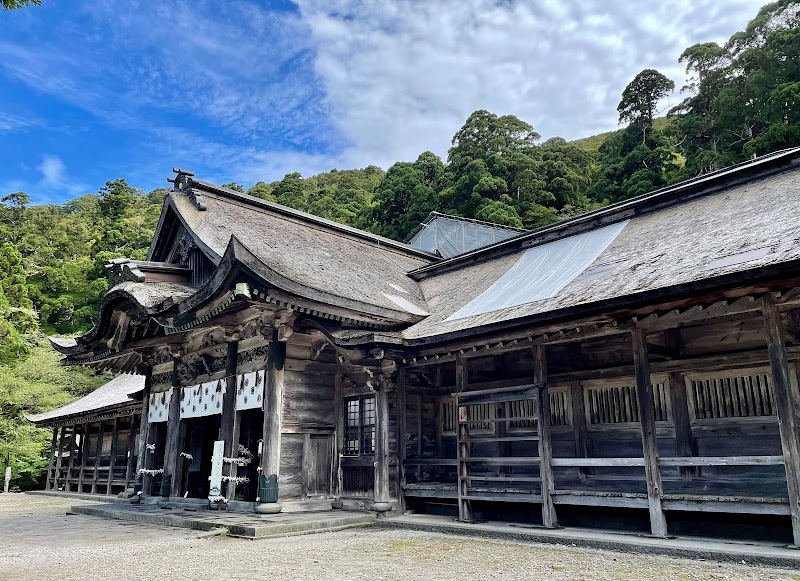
[[96, 438]]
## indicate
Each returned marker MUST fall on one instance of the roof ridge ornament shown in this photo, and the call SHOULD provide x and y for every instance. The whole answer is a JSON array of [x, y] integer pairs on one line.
[[183, 183]]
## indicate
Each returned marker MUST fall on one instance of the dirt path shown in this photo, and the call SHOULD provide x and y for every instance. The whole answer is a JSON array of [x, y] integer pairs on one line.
[[39, 542]]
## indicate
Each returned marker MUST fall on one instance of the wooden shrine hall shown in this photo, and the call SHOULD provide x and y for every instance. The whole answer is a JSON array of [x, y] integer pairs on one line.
[[634, 367]]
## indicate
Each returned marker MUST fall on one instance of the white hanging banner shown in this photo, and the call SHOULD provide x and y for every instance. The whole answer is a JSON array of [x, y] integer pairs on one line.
[[158, 408], [202, 400], [249, 390]]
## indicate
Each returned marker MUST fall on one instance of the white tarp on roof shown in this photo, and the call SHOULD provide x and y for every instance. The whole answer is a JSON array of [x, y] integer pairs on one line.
[[541, 272]]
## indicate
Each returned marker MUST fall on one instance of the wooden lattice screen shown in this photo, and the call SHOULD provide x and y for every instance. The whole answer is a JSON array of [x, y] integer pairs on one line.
[[746, 395], [617, 404]]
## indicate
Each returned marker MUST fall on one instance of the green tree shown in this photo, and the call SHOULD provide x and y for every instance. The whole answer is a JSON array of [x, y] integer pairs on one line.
[[14, 4], [640, 99]]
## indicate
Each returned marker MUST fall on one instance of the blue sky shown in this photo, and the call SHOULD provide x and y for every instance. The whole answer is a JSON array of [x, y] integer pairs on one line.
[[248, 91]]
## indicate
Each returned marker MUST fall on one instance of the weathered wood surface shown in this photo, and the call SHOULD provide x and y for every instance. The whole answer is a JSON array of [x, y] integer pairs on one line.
[[402, 425], [113, 457], [144, 425], [462, 384], [382, 443], [230, 417], [51, 465], [98, 449], [644, 396], [580, 431], [130, 465], [786, 398], [173, 446], [273, 412], [549, 518], [84, 454]]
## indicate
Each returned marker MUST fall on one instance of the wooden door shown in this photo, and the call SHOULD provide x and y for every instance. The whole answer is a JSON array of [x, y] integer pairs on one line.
[[317, 465]]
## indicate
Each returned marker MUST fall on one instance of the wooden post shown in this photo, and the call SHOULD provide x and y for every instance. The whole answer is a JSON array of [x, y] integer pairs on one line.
[[382, 446], [172, 447], [549, 518], [58, 459], [682, 423], [647, 420], [338, 414], [98, 449], [228, 426], [401, 437], [273, 409], [177, 478], [112, 459], [130, 466], [462, 381], [73, 450], [84, 453], [48, 485], [144, 428], [581, 431], [786, 400]]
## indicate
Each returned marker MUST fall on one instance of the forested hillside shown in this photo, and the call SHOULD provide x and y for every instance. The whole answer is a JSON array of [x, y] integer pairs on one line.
[[740, 100]]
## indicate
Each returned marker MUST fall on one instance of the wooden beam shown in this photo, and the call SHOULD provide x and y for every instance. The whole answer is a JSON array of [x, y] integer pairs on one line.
[[400, 406], [172, 446], [580, 429], [130, 466], [84, 453], [144, 427], [98, 449], [51, 465], [73, 451], [112, 459], [549, 518], [462, 382], [786, 400], [647, 420], [684, 443], [228, 431], [382, 443], [58, 458], [273, 409]]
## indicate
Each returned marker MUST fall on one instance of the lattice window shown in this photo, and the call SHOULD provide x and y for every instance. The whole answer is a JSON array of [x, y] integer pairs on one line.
[[525, 409], [618, 404], [560, 407], [359, 425], [449, 416], [733, 397]]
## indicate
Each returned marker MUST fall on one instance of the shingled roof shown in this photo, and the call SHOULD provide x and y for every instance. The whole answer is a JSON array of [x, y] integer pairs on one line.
[[737, 223], [114, 394]]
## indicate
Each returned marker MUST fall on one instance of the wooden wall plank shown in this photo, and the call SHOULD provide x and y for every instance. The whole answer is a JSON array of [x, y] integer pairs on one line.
[[549, 518]]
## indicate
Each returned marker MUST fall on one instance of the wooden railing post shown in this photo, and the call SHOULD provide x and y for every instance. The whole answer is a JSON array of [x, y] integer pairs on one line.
[[647, 420], [549, 518], [786, 400]]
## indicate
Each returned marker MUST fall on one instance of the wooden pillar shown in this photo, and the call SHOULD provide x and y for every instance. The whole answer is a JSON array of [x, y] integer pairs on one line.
[[581, 431], [98, 449], [462, 381], [229, 425], [48, 485], [647, 420], [130, 465], [172, 447], [401, 437], [84, 453], [73, 450], [112, 459], [177, 479], [58, 458], [144, 428], [273, 409], [786, 401], [382, 445], [682, 423], [549, 518], [338, 414]]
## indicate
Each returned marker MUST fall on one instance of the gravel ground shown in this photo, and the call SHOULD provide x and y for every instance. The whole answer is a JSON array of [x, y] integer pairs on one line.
[[91, 548]]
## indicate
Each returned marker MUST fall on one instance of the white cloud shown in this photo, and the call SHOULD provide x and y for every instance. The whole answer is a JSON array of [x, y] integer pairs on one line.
[[52, 169], [402, 76]]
